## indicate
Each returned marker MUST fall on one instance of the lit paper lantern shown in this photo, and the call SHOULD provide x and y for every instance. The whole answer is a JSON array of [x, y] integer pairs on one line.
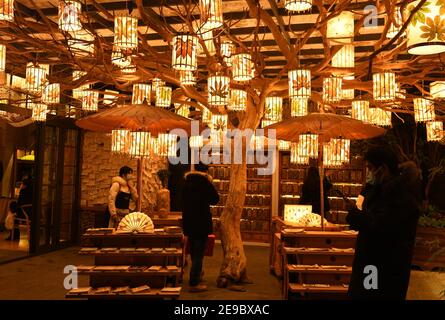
[[81, 43], [18, 82], [243, 68], [332, 89], [90, 100], [206, 117], [167, 144], [183, 110], [163, 97], [78, 92], [238, 100], [295, 157], [283, 145], [110, 97], [300, 83], [345, 57], [298, 5], [39, 111], [380, 117], [211, 14], [2, 57], [69, 15], [425, 32], [437, 89], [273, 108], [196, 142], [140, 145], [119, 59], [434, 131], [336, 152], [51, 94], [187, 78], [227, 50], [184, 53], [156, 83], [219, 122], [308, 145], [7, 10], [218, 90], [207, 37], [125, 32], [154, 146], [141, 93], [130, 69], [360, 110], [384, 86], [423, 110], [340, 29], [120, 141], [70, 111], [393, 29], [348, 94], [35, 77], [299, 107]]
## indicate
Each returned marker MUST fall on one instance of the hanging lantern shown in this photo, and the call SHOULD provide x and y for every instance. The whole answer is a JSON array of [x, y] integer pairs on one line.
[[295, 157], [184, 53], [141, 93], [183, 110], [187, 78], [360, 110], [90, 100], [393, 29], [125, 32], [273, 108], [219, 122], [69, 15], [110, 97], [7, 10], [299, 107], [130, 69], [218, 87], [299, 83], [2, 58], [70, 111], [227, 50], [384, 86], [18, 82], [207, 37], [154, 146], [340, 29], [35, 77], [51, 94], [380, 117], [298, 5], [425, 32], [39, 111], [156, 83], [283, 145], [437, 89], [163, 97], [332, 89], [308, 145], [81, 43], [434, 131], [120, 141], [336, 152], [211, 14], [345, 57], [140, 145], [238, 100], [348, 94], [196, 142], [167, 144], [78, 92], [423, 110], [206, 117], [119, 59], [243, 68]]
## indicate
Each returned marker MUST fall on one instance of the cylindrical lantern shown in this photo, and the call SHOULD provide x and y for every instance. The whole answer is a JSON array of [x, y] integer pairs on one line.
[[163, 97], [360, 110], [207, 37], [437, 89], [298, 5], [184, 53], [39, 111], [299, 83], [119, 59], [2, 57], [206, 115], [384, 86], [183, 110], [120, 141], [308, 145], [211, 12], [380, 117], [299, 107], [51, 94], [332, 89], [187, 78], [140, 144], [154, 146], [70, 111], [340, 29], [7, 10], [243, 68], [283, 145], [393, 29], [167, 144], [295, 157], [227, 50], [238, 100], [78, 92], [110, 97], [196, 142], [125, 32], [219, 122], [90, 100], [69, 15], [423, 110], [156, 83], [130, 69], [273, 108], [348, 94], [337, 152], [425, 31], [35, 77], [218, 90], [345, 57], [434, 131], [141, 92], [81, 43]]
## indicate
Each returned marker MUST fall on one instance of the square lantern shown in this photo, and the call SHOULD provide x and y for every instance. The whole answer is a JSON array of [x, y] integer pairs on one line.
[[187, 78], [120, 141], [434, 131], [167, 144], [7, 10], [332, 89], [141, 93], [36, 77], [423, 110], [69, 15], [125, 32], [384, 86], [360, 110], [283, 145], [196, 142], [163, 97], [380, 117], [218, 90], [273, 108], [90, 100], [2, 57], [39, 111], [345, 57], [298, 5], [394, 29], [81, 43], [243, 68], [308, 145], [184, 53], [437, 89], [227, 50], [238, 100], [51, 94], [299, 107], [211, 13], [340, 29], [295, 157], [140, 144], [299, 83]]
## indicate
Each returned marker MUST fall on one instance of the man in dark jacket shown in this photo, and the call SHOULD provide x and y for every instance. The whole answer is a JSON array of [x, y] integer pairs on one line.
[[387, 229], [198, 194]]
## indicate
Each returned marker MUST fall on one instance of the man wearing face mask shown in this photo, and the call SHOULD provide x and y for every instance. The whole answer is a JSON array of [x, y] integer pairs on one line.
[[387, 229], [121, 191]]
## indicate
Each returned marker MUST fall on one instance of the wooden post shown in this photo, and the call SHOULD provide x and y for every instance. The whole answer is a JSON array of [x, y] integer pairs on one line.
[[139, 184]]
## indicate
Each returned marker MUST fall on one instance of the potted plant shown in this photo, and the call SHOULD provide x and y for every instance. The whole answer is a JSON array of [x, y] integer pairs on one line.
[[163, 195]]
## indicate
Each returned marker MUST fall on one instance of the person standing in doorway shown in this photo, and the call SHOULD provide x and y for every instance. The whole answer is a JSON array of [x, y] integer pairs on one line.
[[198, 194]]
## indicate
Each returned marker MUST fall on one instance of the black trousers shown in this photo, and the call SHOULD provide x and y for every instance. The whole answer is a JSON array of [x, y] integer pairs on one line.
[[197, 250]]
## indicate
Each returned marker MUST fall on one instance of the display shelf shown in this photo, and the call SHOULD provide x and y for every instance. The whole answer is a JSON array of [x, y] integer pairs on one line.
[[298, 269], [162, 272], [301, 288], [151, 293], [178, 252]]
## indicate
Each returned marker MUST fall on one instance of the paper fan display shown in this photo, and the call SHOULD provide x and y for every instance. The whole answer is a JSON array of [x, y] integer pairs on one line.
[[309, 220], [136, 222]]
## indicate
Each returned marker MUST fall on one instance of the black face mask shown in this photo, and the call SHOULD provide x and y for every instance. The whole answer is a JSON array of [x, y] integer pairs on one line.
[[374, 177]]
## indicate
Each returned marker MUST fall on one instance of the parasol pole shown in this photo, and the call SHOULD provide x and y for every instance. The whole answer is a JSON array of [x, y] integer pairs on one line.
[[139, 184], [321, 172]]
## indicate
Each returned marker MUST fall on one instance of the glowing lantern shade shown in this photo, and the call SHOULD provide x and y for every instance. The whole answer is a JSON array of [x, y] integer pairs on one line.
[[238, 100], [154, 146], [332, 89], [344, 58], [163, 97], [298, 107], [156, 83], [273, 108], [206, 115], [295, 157], [183, 110], [426, 30], [125, 32], [187, 78], [434, 131], [360, 110], [211, 14], [283, 145], [393, 29], [196, 142], [141, 93], [437, 89], [423, 110], [90, 100], [379, 117], [298, 5], [243, 68], [218, 87], [69, 12], [219, 122], [2, 57], [167, 144], [51, 94], [39, 111], [184, 53], [299, 83], [207, 37], [35, 77], [120, 141], [81, 43], [110, 97], [140, 144], [227, 50], [7, 10], [340, 29], [78, 92], [384, 86], [336, 152], [119, 59], [308, 145], [348, 94]]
